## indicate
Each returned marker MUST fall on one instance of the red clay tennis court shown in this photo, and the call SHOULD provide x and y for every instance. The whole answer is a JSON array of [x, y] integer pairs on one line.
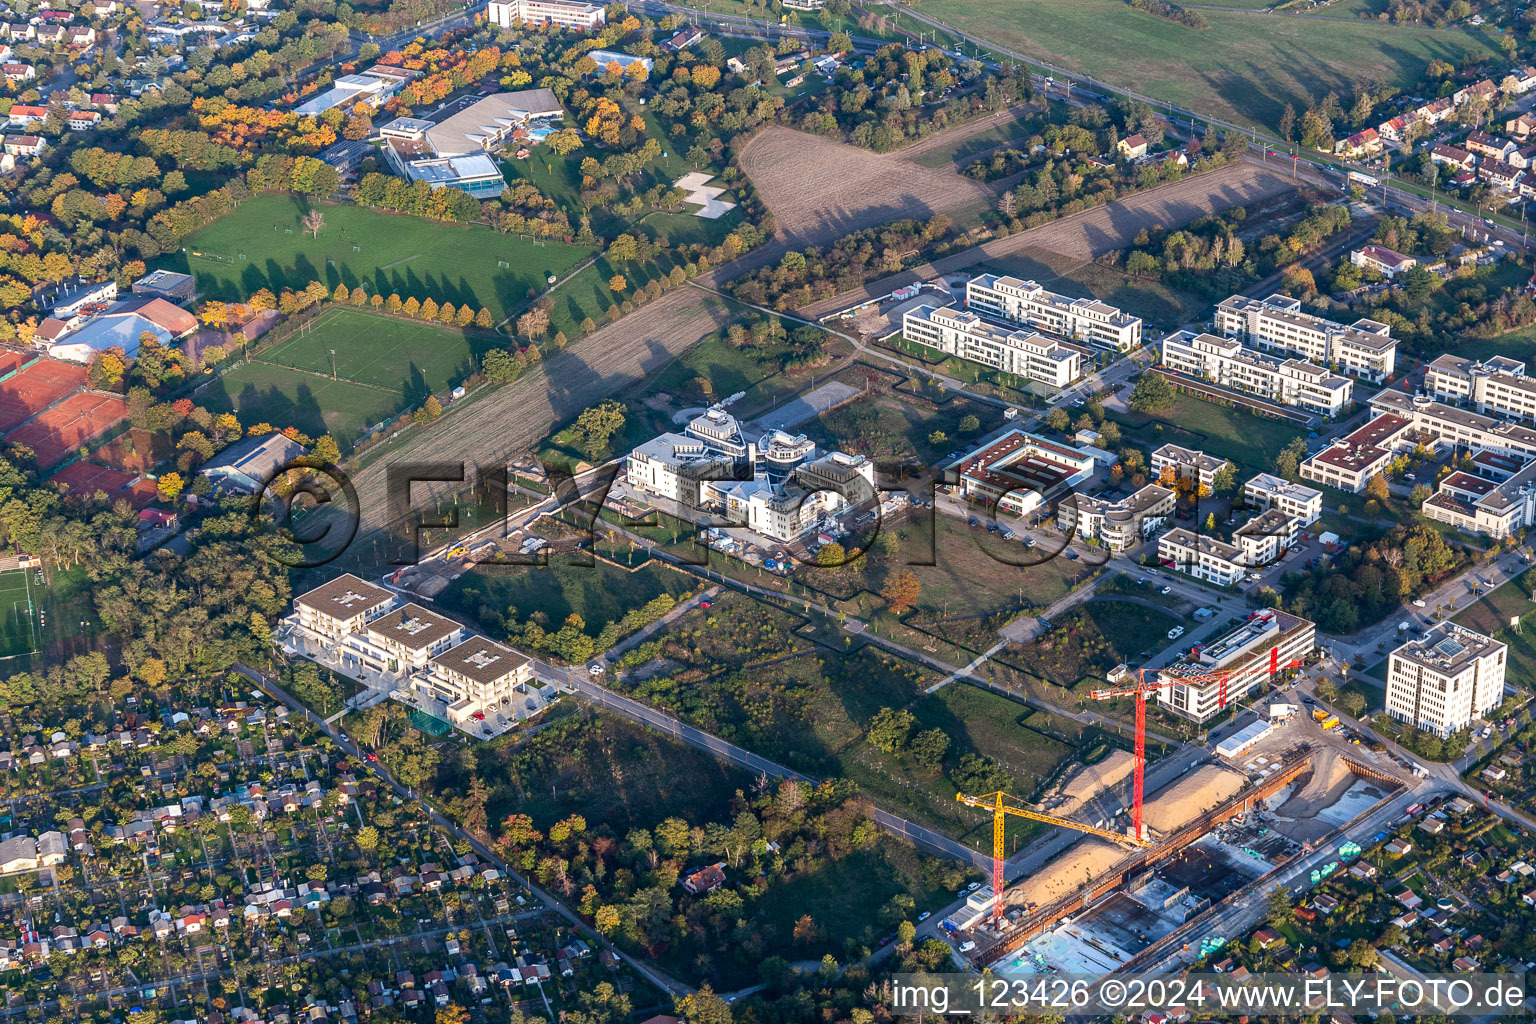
[[77, 420], [82, 479], [35, 388]]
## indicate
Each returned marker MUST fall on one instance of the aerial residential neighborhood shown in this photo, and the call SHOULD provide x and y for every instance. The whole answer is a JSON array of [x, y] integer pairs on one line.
[[783, 513]]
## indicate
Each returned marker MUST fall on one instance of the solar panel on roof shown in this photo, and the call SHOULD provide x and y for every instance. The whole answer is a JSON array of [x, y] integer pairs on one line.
[[1450, 647]]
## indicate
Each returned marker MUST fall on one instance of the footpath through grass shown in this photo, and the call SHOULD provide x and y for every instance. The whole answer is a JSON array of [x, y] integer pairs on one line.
[[263, 244]]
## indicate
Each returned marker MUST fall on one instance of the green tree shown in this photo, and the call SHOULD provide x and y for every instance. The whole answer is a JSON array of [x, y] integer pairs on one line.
[[1152, 392]]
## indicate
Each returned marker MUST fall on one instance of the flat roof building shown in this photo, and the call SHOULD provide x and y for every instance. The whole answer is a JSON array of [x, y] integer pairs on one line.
[[1026, 302], [1363, 349], [166, 284], [574, 14], [1265, 647], [1226, 363], [342, 606], [1441, 681], [411, 635], [475, 675], [1024, 353], [249, 466]]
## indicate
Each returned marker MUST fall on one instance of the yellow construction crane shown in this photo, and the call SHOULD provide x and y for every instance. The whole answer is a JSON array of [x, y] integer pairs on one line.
[[994, 802]]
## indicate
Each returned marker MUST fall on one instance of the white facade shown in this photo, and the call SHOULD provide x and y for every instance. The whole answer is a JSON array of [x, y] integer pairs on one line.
[[1020, 471], [1498, 386], [476, 675], [1441, 681], [1226, 362], [1363, 349], [778, 485], [1119, 524], [565, 13], [1171, 462], [1025, 302], [1202, 685], [341, 606], [1303, 503], [1025, 353]]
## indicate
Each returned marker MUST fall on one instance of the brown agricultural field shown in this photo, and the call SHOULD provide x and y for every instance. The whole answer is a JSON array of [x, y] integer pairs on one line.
[[820, 189]]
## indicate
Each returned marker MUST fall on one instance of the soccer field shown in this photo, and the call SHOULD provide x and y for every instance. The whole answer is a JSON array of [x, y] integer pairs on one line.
[[263, 245], [18, 613], [407, 356], [384, 366]]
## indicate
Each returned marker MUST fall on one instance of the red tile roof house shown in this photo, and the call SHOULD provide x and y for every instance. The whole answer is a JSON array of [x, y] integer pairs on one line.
[[1360, 143], [704, 880]]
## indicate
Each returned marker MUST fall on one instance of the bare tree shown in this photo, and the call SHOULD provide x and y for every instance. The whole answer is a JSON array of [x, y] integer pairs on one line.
[[314, 220]]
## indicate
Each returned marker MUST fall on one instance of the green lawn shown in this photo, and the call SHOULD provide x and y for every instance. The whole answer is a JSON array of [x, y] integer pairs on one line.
[[1243, 67], [20, 600], [599, 593], [1491, 614], [1012, 130], [1248, 440], [259, 392], [408, 356], [263, 245], [1154, 301]]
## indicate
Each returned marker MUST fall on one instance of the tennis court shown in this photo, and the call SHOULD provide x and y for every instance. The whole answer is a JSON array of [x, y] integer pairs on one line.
[[36, 388], [19, 627], [82, 479], [76, 421]]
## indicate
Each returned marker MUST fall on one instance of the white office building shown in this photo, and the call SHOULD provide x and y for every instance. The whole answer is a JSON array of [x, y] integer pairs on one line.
[[1364, 349], [1257, 544], [1266, 491], [778, 485], [577, 14], [1024, 353], [1085, 320], [1497, 386], [1286, 381], [1268, 645], [1441, 681]]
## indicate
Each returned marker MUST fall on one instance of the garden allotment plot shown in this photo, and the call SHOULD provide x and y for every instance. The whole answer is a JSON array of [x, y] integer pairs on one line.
[[18, 614]]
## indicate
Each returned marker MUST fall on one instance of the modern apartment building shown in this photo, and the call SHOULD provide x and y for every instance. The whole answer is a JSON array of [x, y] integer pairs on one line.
[[1025, 353], [1258, 543], [1445, 427], [1266, 491], [1226, 362], [577, 14], [409, 636], [1265, 647], [342, 606], [1120, 523], [1019, 472], [475, 675], [1186, 464], [1496, 505], [1441, 681], [1497, 386], [1025, 302], [1364, 349], [778, 485]]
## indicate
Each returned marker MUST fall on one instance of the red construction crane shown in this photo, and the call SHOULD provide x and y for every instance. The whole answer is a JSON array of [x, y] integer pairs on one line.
[[1147, 680]]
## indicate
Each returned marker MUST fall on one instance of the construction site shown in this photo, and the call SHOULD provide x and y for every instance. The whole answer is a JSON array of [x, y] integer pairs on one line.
[[1120, 896]]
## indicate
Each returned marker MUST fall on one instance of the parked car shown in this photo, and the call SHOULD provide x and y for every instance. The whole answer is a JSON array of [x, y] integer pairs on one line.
[[1175, 632]]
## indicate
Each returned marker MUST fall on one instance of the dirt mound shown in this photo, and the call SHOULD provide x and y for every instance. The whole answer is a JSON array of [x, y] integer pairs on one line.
[[1190, 797], [1321, 787], [820, 190], [1082, 863], [1084, 783]]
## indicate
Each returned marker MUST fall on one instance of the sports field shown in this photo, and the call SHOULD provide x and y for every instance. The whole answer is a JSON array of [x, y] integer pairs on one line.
[[18, 614], [263, 245], [1245, 67], [383, 365]]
